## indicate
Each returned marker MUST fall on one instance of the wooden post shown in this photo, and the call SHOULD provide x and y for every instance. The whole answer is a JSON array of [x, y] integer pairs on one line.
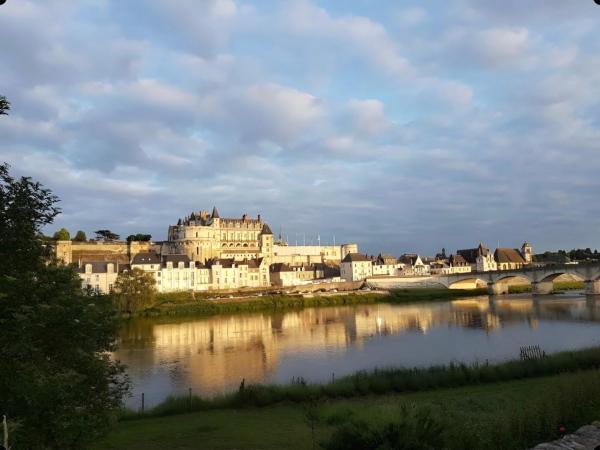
[[142, 403], [5, 425]]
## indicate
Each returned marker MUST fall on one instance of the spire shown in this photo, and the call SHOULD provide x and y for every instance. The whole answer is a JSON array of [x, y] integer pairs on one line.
[[215, 213], [179, 222]]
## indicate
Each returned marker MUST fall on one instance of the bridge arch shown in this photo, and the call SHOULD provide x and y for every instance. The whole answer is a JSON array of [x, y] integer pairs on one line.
[[467, 282]]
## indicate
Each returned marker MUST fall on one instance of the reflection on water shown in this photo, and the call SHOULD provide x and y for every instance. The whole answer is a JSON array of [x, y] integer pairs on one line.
[[212, 355]]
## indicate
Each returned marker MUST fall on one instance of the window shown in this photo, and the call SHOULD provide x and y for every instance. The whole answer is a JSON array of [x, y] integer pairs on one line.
[[110, 287]]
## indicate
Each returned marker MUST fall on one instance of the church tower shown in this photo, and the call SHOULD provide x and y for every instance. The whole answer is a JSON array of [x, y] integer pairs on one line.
[[527, 252]]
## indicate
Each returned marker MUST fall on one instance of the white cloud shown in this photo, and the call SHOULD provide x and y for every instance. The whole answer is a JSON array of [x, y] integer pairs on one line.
[[349, 33]]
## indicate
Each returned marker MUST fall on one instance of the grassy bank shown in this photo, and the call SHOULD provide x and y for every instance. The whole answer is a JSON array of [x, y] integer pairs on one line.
[[379, 382], [559, 286], [187, 303], [509, 415]]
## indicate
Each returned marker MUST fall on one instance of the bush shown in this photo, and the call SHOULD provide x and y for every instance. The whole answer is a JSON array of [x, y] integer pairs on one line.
[[416, 429]]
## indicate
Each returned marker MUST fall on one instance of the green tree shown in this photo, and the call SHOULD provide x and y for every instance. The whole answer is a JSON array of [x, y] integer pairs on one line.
[[139, 237], [106, 235], [62, 235], [58, 385], [134, 290], [4, 105], [80, 236]]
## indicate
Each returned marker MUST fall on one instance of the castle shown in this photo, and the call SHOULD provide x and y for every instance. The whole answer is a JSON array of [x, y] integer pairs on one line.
[[203, 251], [203, 236]]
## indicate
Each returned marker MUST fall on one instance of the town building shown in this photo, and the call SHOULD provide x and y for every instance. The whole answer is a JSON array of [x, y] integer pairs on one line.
[[100, 276], [413, 265], [356, 267], [385, 265], [480, 258], [295, 275]]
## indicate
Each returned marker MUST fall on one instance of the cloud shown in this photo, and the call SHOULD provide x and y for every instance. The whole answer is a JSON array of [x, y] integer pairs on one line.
[[349, 33], [449, 125]]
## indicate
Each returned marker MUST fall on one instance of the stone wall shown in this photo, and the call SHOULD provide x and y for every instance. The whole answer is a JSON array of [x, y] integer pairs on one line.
[[70, 252]]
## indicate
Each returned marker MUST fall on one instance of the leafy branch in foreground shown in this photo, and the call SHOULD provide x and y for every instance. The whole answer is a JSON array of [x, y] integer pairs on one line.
[[60, 389]]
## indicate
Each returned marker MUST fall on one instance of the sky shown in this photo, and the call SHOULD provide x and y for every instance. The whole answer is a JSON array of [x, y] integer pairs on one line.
[[399, 125]]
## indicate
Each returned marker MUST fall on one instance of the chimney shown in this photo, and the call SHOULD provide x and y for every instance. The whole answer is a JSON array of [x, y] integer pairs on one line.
[[259, 217]]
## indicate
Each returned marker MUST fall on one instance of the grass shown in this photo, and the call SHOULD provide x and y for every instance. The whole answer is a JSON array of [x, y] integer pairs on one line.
[[559, 286], [184, 303], [507, 415], [379, 382]]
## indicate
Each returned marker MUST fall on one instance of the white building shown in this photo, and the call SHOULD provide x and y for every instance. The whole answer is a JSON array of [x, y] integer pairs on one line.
[[356, 267], [173, 273], [100, 276], [385, 265]]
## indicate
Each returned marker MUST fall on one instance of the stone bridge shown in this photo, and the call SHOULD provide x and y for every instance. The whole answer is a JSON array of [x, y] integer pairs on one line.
[[540, 277]]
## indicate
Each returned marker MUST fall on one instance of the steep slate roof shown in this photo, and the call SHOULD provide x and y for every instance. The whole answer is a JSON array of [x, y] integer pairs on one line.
[[146, 258], [251, 263], [175, 259], [215, 213], [386, 258], [226, 263], [409, 258], [356, 257], [280, 267], [266, 229], [457, 260], [471, 254], [99, 266], [508, 255]]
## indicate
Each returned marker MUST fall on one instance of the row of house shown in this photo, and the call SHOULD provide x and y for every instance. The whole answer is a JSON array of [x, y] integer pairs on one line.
[[178, 273], [356, 266]]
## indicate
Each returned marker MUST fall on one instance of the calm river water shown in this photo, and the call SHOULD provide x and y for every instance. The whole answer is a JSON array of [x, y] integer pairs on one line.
[[212, 355]]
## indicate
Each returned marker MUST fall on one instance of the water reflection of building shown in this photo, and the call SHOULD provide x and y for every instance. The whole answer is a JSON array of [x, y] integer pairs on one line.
[[218, 352]]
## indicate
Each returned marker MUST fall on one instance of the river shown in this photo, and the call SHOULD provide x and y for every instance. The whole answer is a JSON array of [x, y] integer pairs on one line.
[[212, 355]]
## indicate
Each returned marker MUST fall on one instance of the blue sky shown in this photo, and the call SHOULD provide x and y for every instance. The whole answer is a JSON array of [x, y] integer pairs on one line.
[[400, 125]]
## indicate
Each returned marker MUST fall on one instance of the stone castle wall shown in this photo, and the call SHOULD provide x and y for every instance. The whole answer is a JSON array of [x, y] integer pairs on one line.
[[70, 252]]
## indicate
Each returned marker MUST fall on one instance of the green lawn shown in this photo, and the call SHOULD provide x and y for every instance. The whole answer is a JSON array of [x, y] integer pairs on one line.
[[472, 410]]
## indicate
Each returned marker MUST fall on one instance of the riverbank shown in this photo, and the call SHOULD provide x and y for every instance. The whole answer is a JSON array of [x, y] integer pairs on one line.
[[507, 415], [382, 381], [188, 303]]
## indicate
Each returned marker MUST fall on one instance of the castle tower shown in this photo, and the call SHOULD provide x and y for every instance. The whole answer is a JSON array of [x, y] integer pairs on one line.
[[266, 243], [527, 252]]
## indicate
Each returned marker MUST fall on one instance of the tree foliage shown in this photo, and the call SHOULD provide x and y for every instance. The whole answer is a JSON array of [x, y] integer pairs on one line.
[[62, 235], [134, 290], [139, 237], [80, 236], [4, 105], [106, 235], [57, 382], [563, 256]]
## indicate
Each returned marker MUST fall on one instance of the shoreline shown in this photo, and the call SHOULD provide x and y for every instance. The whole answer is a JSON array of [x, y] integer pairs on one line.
[[205, 304], [176, 304]]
